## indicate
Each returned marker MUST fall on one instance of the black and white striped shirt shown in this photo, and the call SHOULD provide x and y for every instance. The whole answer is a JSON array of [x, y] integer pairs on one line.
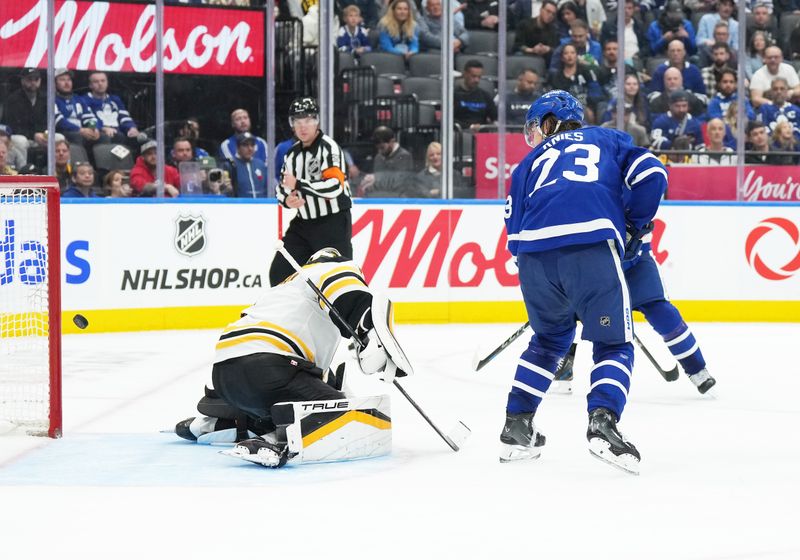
[[321, 174]]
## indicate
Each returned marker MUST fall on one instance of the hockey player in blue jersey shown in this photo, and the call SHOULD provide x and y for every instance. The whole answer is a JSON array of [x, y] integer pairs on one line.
[[570, 200], [649, 297]]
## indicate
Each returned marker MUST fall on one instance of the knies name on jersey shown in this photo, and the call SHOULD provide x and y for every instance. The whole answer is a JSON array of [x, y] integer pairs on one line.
[[575, 136]]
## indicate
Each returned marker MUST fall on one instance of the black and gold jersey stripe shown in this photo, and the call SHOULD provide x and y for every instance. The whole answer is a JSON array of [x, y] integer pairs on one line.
[[270, 333]]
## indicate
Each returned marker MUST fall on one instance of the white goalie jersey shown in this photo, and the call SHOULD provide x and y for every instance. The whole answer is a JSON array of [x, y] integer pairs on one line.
[[289, 319]]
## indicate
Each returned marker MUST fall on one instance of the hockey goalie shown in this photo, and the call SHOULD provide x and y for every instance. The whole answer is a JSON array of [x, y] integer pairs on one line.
[[276, 395]]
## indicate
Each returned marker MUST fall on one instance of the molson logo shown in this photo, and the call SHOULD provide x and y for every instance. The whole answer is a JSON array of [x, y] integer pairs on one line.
[[775, 227], [121, 37]]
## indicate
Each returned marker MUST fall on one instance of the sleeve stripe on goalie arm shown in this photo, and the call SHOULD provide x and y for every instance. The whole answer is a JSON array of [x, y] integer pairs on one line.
[[648, 186], [270, 333]]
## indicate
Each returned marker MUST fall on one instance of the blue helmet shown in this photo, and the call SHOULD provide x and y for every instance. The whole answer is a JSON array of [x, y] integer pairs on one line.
[[558, 103]]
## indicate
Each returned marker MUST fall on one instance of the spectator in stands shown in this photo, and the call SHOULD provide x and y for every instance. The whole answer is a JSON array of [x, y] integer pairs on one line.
[[113, 119], [588, 50], [520, 99], [636, 46], [721, 35], [671, 25], [181, 151], [676, 58], [280, 154], [676, 122], [430, 29], [758, 145], [74, 118], [780, 109], [635, 97], [248, 172], [538, 36], [594, 14], [115, 185], [577, 79], [756, 46], [637, 131], [721, 56], [190, 129], [399, 33], [607, 73], [673, 81], [393, 169], [26, 112], [15, 157], [680, 145], [724, 14], [367, 8], [567, 14], [774, 67], [5, 168], [784, 140], [82, 182], [716, 131], [352, 36], [480, 14], [430, 178], [765, 22], [143, 174], [63, 165], [726, 96], [474, 106], [240, 122]]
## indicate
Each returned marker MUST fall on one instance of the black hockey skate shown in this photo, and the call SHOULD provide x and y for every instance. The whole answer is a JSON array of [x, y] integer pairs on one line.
[[519, 438], [608, 444], [261, 452], [562, 378], [703, 381]]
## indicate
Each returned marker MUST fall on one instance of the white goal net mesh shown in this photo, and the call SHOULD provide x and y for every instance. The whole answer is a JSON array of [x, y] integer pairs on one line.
[[24, 312]]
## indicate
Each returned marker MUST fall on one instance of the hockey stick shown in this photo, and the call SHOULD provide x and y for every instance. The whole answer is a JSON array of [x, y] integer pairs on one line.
[[668, 375], [478, 362], [460, 432]]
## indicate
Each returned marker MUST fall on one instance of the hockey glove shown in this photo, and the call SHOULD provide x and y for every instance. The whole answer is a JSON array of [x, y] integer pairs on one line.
[[372, 358], [633, 239]]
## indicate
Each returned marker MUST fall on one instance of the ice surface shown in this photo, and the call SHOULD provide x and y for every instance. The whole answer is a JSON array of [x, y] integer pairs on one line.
[[720, 477]]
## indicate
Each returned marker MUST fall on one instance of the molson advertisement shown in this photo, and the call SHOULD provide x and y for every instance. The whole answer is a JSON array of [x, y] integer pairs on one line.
[[122, 37]]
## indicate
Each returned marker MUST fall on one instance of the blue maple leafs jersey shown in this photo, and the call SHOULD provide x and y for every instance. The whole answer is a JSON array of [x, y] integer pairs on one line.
[[580, 187]]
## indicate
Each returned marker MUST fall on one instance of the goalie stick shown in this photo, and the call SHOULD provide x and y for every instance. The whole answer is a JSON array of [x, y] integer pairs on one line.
[[478, 362], [460, 432]]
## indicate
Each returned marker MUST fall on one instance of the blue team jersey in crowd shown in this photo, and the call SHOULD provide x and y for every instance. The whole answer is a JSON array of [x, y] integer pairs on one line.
[[580, 187]]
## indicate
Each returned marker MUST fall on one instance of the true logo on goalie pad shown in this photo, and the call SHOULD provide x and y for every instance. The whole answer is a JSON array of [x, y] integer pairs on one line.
[[190, 235], [340, 430]]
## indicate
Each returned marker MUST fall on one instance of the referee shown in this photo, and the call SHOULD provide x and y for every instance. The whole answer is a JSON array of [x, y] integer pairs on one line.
[[314, 181]]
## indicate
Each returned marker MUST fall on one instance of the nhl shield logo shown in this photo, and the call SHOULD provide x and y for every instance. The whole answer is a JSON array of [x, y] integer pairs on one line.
[[190, 235], [605, 321]]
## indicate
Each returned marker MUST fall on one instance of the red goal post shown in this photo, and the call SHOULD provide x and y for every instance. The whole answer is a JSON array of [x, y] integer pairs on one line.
[[30, 305]]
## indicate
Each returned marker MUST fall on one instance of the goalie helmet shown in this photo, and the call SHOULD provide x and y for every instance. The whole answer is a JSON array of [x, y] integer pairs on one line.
[[327, 254]]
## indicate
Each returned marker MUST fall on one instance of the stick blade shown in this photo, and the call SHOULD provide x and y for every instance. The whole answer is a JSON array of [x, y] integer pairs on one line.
[[459, 434], [671, 375]]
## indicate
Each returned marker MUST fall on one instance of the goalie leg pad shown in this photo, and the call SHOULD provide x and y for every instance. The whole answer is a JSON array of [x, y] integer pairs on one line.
[[336, 430]]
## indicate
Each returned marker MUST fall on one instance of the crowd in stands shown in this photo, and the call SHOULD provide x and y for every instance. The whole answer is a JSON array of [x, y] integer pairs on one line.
[[680, 93]]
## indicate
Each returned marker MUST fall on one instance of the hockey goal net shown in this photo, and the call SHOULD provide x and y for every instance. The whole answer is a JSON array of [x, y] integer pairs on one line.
[[30, 306]]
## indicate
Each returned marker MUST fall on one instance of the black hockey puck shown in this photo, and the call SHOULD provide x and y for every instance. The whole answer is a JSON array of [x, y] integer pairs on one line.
[[80, 321]]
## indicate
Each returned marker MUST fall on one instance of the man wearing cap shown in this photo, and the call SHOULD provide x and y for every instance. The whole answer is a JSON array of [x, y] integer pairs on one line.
[[26, 111], [74, 118], [658, 101], [114, 120], [240, 122], [248, 172], [676, 122], [143, 173], [393, 169]]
